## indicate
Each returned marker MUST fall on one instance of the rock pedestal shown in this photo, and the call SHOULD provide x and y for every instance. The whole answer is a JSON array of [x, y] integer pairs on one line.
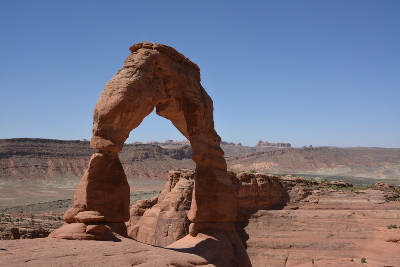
[[101, 202]]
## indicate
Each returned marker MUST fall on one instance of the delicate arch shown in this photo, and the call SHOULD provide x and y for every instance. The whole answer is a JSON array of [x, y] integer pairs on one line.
[[157, 76]]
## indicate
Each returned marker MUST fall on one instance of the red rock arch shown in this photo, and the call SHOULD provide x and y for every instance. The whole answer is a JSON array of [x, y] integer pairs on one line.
[[157, 77]]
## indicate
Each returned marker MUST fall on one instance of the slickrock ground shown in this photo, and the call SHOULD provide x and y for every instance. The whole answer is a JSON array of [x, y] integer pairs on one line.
[[342, 227], [54, 252]]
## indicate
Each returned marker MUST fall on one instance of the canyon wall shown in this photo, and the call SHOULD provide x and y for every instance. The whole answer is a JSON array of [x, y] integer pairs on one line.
[[47, 159]]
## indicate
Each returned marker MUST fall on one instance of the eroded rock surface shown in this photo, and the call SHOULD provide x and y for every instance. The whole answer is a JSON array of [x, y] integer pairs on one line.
[[325, 222], [261, 191], [12, 233], [101, 202], [126, 252], [163, 220]]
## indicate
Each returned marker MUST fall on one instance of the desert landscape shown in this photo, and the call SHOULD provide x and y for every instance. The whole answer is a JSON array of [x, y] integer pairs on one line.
[[200, 133], [319, 221], [197, 202]]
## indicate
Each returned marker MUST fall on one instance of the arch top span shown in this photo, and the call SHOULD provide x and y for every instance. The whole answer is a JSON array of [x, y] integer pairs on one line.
[[170, 51], [153, 76]]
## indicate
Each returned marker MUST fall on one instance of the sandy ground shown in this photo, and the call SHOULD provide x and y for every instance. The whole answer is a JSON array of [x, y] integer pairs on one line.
[[27, 192]]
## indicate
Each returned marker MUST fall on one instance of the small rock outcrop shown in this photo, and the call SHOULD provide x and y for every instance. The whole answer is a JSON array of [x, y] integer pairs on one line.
[[259, 191], [391, 192], [12, 233], [298, 188]]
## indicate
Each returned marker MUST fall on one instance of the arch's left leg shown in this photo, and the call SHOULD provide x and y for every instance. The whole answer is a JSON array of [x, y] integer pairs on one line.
[[102, 198]]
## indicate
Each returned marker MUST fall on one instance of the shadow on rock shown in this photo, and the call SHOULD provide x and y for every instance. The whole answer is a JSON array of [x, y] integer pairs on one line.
[[216, 247]]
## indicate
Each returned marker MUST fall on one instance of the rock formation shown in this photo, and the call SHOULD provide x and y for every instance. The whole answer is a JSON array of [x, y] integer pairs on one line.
[[156, 77], [261, 144], [174, 144], [12, 233], [170, 143], [259, 191], [163, 220]]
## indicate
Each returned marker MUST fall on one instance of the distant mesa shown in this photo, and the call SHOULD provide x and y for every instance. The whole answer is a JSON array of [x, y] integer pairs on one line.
[[263, 144], [224, 143], [176, 144]]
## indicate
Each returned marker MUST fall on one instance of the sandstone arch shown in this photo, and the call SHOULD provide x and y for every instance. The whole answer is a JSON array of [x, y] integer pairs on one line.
[[157, 77]]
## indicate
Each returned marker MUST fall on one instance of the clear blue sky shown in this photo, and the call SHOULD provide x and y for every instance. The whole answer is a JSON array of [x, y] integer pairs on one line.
[[304, 72]]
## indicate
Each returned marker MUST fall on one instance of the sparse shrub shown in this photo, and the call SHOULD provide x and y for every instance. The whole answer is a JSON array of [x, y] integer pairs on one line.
[[363, 260], [252, 171], [390, 226], [334, 187], [326, 180]]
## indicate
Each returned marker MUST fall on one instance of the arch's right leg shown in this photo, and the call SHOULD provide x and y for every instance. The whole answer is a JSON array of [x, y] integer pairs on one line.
[[214, 199]]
